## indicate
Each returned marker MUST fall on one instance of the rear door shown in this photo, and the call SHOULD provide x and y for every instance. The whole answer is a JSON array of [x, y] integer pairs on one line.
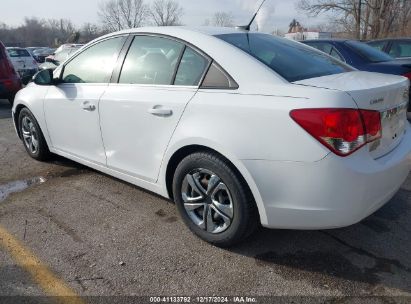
[[140, 112]]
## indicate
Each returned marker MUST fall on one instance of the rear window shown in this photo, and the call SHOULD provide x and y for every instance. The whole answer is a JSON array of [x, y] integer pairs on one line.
[[18, 53], [368, 52], [291, 60]]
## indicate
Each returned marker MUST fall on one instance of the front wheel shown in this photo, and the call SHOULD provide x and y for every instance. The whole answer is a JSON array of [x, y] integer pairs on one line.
[[32, 137], [213, 200]]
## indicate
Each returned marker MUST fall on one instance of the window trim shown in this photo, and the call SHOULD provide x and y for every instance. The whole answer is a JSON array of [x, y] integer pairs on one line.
[[82, 50], [222, 70], [116, 76], [334, 48], [180, 57]]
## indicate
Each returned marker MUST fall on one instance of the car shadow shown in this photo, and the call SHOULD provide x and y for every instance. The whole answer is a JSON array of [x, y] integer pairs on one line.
[[373, 252], [365, 256]]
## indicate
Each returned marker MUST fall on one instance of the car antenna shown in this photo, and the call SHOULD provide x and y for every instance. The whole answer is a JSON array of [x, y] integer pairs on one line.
[[248, 27]]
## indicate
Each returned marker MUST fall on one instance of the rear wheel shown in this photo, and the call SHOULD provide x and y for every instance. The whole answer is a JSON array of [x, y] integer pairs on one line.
[[32, 136], [213, 200]]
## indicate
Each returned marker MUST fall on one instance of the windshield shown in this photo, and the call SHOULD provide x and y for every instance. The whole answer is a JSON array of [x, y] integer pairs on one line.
[[370, 53], [18, 53], [291, 60]]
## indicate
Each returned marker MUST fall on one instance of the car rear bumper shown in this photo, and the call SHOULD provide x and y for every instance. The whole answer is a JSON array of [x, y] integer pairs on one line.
[[334, 192]]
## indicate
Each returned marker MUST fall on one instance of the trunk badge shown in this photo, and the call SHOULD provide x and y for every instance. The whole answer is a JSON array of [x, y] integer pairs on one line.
[[375, 101]]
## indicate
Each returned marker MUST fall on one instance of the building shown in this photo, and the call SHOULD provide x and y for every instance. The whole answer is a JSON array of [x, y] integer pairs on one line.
[[307, 35]]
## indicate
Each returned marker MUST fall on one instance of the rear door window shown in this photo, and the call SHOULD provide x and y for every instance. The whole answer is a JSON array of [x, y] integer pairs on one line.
[[327, 48], [151, 60], [400, 49], [379, 45], [191, 68], [292, 60]]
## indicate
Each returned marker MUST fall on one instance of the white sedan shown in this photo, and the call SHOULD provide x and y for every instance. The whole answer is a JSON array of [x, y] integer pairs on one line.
[[238, 128]]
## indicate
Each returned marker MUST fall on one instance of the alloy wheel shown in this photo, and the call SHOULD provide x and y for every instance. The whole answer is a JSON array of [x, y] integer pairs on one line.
[[207, 201], [30, 134]]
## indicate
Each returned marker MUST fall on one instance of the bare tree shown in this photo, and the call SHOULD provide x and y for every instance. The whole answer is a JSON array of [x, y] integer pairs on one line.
[[166, 13], [122, 14], [222, 19], [347, 9], [364, 18]]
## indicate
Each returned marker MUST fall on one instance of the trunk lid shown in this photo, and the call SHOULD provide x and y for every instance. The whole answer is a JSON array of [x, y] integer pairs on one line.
[[387, 94]]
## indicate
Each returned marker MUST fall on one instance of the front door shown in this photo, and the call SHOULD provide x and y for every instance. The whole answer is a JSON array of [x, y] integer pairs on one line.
[[72, 106]]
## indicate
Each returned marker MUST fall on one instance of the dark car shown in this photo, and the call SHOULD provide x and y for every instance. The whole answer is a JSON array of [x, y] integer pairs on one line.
[[10, 81], [34, 49], [397, 48], [363, 57], [41, 54]]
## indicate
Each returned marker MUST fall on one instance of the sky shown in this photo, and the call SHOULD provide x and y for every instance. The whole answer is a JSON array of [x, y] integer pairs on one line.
[[277, 14]]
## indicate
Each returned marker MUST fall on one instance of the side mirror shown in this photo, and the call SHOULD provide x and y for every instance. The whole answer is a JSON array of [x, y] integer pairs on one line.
[[44, 77]]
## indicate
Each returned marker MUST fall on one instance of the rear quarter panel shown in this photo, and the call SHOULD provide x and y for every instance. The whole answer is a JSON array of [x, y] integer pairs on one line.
[[253, 127]]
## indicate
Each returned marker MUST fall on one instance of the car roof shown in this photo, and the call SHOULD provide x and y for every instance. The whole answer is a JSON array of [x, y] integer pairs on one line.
[[326, 40], [181, 30], [390, 39]]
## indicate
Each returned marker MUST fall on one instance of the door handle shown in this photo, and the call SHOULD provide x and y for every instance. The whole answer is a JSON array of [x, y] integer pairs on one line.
[[88, 106], [159, 111]]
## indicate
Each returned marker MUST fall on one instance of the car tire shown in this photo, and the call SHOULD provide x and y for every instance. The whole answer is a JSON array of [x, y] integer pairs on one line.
[[32, 136], [213, 199]]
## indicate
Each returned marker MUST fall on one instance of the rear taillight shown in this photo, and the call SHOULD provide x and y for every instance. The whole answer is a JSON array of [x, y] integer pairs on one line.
[[343, 131]]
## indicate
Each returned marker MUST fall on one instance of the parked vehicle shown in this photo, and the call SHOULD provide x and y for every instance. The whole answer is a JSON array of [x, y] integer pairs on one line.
[[289, 138], [32, 49], [10, 82], [363, 57], [395, 47], [23, 63], [53, 61], [41, 54]]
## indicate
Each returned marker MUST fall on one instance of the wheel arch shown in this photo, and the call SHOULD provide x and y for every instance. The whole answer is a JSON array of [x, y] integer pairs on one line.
[[179, 154], [16, 114]]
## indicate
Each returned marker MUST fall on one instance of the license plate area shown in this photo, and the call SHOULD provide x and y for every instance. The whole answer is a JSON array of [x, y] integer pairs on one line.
[[393, 122]]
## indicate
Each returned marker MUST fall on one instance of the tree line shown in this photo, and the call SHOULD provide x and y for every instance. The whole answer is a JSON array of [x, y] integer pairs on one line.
[[114, 15], [363, 19], [51, 32]]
